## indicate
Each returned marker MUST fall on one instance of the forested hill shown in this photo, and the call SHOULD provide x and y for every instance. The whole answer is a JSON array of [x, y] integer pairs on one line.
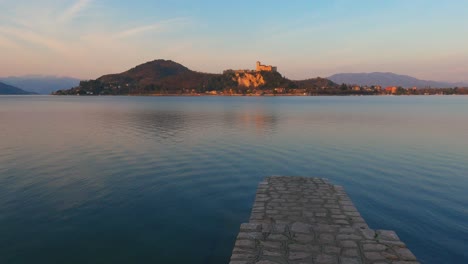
[[159, 76]]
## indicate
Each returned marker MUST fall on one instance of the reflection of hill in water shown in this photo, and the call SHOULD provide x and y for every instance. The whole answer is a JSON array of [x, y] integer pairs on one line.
[[257, 121], [159, 124], [177, 125]]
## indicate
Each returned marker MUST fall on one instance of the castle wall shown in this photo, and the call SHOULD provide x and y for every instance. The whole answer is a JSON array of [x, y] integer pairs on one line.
[[261, 67]]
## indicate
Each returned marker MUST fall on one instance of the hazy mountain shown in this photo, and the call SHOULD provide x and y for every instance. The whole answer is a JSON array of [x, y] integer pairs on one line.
[[8, 89], [41, 84], [387, 79]]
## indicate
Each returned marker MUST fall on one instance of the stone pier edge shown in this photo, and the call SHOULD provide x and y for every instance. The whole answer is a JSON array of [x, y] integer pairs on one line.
[[298, 220]]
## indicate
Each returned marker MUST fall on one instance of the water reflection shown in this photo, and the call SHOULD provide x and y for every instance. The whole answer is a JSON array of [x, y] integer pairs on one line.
[[155, 123], [256, 120]]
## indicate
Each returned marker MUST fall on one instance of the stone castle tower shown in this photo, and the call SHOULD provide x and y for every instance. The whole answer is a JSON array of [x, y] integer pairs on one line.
[[261, 67]]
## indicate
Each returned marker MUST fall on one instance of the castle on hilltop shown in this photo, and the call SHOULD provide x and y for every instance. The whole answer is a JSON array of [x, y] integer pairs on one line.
[[259, 67]]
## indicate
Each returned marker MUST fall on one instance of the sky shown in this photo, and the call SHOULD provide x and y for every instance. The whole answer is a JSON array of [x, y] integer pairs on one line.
[[88, 38]]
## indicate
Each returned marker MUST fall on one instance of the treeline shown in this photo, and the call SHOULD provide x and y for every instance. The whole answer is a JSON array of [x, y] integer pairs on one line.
[[276, 80], [177, 84], [440, 91], [225, 84], [345, 89]]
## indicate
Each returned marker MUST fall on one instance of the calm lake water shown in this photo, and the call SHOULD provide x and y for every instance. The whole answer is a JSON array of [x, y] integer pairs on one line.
[[170, 179]]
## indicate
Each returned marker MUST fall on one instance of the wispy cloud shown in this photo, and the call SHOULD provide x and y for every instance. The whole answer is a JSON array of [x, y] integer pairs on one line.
[[161, 26], [33, 38], [74, 10], [7, 43]]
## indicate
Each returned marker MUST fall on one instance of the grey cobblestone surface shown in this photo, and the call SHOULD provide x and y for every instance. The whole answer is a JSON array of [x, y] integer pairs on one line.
[[297, 220]]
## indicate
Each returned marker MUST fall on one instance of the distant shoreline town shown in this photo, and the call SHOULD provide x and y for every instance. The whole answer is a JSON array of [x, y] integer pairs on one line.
[[168, 78]]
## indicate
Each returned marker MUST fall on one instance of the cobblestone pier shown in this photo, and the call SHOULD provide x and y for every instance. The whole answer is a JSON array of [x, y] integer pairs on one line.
[[298, 220]]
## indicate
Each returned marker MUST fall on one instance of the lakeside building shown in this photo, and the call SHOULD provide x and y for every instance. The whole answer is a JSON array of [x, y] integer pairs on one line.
[[391, 89]]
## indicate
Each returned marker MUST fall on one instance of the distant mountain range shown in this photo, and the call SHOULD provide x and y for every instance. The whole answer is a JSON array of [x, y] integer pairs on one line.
[[8, 89], [41, 84], [388, 79]]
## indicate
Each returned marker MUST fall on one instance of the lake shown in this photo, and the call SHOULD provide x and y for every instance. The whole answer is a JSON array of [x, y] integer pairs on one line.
[[170, 179]]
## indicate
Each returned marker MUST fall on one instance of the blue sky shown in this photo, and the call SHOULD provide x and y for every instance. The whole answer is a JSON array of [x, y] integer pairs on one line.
[[89, 38]]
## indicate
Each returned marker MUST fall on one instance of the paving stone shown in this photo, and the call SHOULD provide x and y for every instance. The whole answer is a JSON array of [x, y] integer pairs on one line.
[[250, 227], [304, 247], [389, 255], [326, 259], [341, 222], [331, 250], [277, 237], [348, 237], [360, 225], [392, 243], [347, 230], [250, 235], [352, 213], [350, 252], [324, 228], [245, 243], [348, 244], [387, 235], [405, 254], [243, 256], [340, 216], [346, 260], [244, 249], [301, 228], [368, 233], [271, 244], [273, 253], [338, 211], [267, 262], [374, 247], [373, 255], [298, 255], [303, 238], [279, 228], [327, 238], [257, 216]]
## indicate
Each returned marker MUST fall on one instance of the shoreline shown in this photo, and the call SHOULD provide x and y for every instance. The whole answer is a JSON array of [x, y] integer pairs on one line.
[[250, 95]]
